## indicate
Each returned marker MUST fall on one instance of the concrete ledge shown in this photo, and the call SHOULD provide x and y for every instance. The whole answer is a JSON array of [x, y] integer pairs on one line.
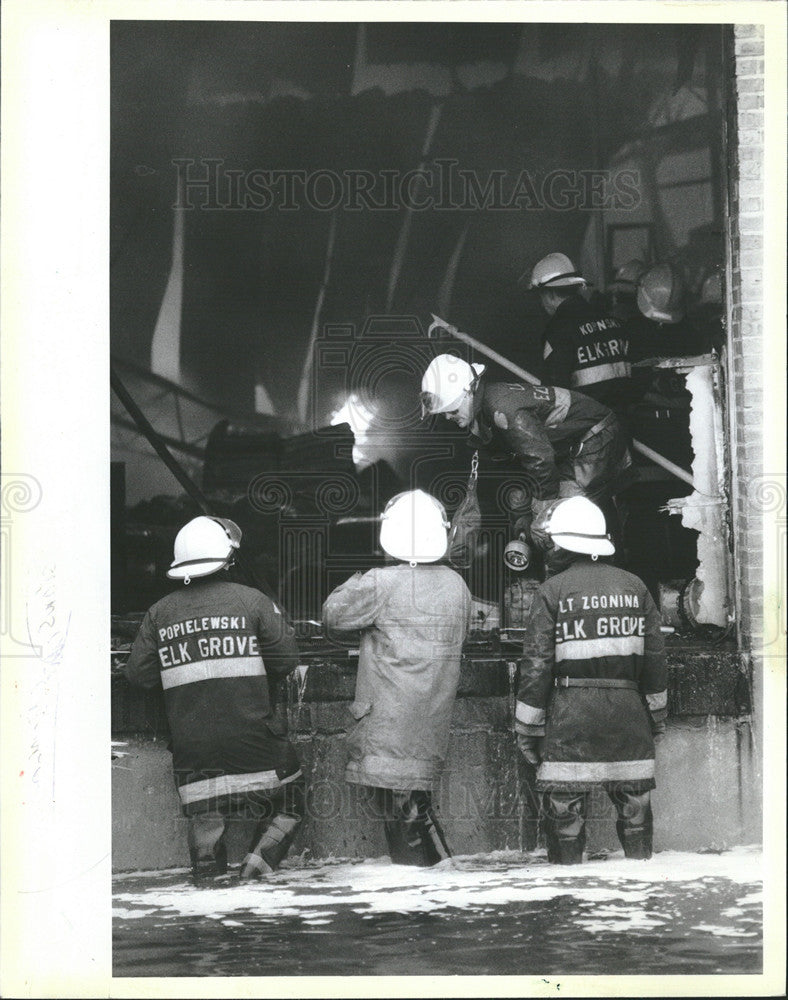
[[708, 795], [708, 780], [702, 681]]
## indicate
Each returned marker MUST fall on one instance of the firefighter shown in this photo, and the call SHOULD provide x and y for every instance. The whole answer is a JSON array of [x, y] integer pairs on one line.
[[586, 348], [414, 615], [662, 329], [212, 645], [592, 694], [566, 443]]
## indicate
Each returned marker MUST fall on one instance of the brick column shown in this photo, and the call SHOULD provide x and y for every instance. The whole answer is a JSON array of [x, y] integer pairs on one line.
[[745, 149], [744, 61]]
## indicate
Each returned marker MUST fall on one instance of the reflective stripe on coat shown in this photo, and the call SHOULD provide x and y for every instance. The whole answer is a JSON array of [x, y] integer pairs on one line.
[[212, 646], [588, 349], [593, 621]]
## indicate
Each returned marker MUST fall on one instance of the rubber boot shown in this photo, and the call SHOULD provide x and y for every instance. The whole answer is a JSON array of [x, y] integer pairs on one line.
[[437, 838], [568, 851], [266, 855], [636, 841], [635, 824], [400, 850], [413, 834], [564, 827], [425, 836], [207, 848]]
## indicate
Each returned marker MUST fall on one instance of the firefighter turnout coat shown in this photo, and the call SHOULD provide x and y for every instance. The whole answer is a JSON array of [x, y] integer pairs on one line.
[[414, 620], [565, 442], [588, 350], [593, 679], [211, 646]]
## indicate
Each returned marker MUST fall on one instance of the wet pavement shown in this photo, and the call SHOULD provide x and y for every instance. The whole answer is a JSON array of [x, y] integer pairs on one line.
[[505, 913]]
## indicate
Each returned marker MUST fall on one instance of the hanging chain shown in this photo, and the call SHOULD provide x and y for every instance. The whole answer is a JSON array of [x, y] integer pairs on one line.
[[475, 467]]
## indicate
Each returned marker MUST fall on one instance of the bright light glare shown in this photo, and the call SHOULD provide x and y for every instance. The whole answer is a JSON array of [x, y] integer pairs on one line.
[[359, 416], [356, 413]]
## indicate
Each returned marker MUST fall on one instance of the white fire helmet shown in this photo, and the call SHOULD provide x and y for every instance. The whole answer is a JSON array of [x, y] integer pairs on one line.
[[204, 546], [414, 528], [661, 294], [578, 525], [555, 270], [445, 381]]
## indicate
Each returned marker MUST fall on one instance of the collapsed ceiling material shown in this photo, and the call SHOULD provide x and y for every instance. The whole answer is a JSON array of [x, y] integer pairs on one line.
[[291, 150]]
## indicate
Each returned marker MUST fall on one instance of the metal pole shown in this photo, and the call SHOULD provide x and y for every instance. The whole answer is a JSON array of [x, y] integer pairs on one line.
[[156, 442], [161, 449], [666, 463]]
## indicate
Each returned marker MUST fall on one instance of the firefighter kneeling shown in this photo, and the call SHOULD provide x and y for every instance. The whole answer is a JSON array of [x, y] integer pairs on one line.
[[593, 688]]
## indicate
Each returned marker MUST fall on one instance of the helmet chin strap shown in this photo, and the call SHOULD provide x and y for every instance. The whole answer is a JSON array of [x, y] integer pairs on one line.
[[230, 561]]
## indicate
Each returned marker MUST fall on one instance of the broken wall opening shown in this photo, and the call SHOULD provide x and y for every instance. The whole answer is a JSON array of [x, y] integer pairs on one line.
[[585, 100]]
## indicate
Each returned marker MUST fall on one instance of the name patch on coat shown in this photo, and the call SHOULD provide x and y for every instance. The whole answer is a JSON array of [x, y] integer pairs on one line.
[[590, 602], [207, 624], [581, 632]]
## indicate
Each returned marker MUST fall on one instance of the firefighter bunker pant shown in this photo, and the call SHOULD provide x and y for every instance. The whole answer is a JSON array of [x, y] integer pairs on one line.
[[278, 813], [564, 823], [413, 833]]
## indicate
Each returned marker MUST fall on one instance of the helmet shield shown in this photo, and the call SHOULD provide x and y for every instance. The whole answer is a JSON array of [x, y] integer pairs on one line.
[[234, 533], [431, 403]]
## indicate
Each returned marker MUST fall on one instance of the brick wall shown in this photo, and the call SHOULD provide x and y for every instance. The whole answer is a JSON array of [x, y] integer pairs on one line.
[[745, 148]]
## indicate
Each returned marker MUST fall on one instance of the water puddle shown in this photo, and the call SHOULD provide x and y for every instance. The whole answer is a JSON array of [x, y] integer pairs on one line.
[[500, 914]]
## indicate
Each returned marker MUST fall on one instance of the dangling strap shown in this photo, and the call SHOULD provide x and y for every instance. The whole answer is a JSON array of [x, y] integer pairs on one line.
[[467, 522]]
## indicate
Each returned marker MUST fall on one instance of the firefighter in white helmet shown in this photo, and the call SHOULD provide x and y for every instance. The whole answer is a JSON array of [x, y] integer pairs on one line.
[[660, 294], [664, 329], [564, 442], [586, 348], [593, 689], [414, 615], [212, 646]]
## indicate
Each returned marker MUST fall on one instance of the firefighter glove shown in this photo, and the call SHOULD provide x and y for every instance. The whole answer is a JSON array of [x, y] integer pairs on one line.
[[542, 512]]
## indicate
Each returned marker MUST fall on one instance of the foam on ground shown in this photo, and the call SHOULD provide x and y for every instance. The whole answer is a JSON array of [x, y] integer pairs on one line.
[[619, 887]]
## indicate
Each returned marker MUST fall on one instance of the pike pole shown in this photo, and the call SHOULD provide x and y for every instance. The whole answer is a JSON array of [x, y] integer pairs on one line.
[[488, 352]]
